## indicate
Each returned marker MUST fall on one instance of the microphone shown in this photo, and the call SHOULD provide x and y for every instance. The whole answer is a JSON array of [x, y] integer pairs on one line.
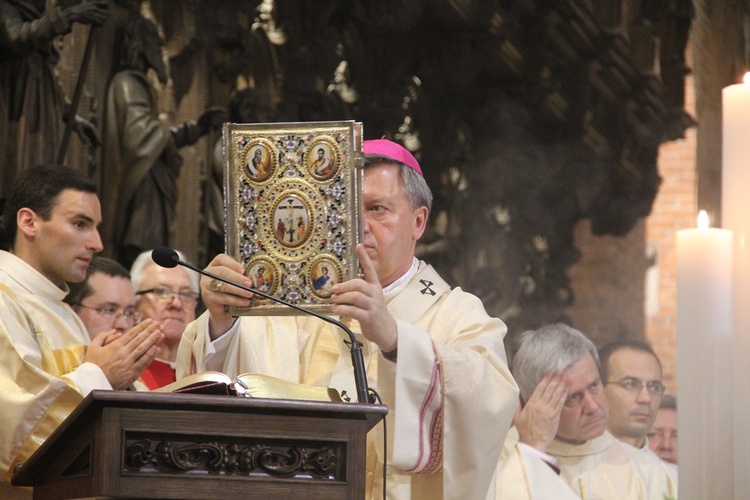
[[167, 257]]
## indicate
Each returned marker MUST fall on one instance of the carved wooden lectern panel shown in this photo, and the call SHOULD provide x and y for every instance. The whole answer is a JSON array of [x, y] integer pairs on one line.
[[121, 444]]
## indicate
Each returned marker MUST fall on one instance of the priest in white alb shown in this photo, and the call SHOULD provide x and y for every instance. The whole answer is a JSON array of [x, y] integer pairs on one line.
[[559, 447]]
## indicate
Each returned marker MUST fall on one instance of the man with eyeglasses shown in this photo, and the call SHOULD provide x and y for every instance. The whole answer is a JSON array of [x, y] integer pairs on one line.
[[560, 447], [105, 299], [632, 376], [169, 296]]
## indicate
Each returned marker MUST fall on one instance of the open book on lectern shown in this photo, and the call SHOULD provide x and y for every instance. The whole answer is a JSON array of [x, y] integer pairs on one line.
[[249, 385]]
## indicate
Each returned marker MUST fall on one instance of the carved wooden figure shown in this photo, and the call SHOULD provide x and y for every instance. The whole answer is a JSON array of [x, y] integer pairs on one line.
[[141, 159]]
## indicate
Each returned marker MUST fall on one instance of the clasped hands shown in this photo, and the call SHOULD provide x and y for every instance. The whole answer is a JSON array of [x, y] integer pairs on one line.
[[123, 356]]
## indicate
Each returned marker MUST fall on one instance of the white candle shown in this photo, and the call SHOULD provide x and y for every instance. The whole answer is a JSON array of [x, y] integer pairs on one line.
[[704, 354], [735, 208]]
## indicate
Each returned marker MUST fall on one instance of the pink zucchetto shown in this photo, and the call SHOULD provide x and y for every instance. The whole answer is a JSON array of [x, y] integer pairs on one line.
[[384, 147]]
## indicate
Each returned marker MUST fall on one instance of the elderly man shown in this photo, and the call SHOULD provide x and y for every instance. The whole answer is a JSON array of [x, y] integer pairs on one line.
[[170, 297], [632, 375], [662, 438], [435, 356], [49, 362], [105, 299], [563, 425]]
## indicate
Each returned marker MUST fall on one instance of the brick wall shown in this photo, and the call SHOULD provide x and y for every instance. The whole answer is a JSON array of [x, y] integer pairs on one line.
[[608, 285]]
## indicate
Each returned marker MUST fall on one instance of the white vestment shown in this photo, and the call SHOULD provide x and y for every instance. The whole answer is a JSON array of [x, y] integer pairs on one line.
[[523, 475], [661, 479], [450, 394], [42, 373], [598, 469]]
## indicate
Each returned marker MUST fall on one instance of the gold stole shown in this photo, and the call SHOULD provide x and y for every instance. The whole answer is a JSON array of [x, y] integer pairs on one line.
[[56, 362]]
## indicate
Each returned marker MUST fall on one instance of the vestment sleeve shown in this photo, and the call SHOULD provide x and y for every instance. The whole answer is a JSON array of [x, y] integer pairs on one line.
[[267, 345], [88, 377], [523, 475], [194, 347]]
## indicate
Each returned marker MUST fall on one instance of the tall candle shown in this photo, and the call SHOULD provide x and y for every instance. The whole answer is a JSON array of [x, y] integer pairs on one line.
[[735, 207], [704, 353]]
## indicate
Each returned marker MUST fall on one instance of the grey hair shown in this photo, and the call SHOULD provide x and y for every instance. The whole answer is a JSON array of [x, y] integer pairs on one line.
[[412, 182], [550, 349], [144, 261], [668, 402]]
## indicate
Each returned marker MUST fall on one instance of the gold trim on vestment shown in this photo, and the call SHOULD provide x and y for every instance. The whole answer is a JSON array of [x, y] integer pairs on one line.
[[63, 406], [58, 362]]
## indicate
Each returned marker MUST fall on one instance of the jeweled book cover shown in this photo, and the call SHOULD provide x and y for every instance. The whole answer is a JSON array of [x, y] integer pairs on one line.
[[293, 205]]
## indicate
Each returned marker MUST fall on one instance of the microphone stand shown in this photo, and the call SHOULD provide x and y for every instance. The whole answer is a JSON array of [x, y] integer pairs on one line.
[[358, 361]]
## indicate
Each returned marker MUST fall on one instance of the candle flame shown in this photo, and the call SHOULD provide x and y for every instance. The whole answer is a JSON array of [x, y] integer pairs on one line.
[[702, 220], [746, 78]]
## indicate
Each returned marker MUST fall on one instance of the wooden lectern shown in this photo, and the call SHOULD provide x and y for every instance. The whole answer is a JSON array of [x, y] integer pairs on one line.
[[146, 445]]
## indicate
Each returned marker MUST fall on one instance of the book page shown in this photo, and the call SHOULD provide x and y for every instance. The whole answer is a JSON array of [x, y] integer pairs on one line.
[[249, 385]]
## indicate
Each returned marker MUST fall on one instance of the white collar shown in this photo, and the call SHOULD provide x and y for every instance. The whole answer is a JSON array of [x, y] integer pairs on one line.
[[29, 278], [406, 277]]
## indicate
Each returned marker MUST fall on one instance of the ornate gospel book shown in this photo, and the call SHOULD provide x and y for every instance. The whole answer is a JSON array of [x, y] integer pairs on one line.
[[293, 204]]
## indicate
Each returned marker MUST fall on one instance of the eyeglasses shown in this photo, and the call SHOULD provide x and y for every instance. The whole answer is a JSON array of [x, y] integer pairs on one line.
[[113, 314], [166, 295], [636, 385]]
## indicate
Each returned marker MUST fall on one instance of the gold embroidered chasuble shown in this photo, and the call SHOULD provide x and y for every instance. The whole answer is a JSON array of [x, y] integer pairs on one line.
[[451, 395], [42, 373]]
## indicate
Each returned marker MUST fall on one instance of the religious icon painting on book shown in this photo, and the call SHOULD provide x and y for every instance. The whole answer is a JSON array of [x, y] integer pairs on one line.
[[324, 273], [258, 159], [323, 158]]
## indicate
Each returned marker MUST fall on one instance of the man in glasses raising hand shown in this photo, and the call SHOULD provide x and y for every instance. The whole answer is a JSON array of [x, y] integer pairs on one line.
[[560, 447], [632, 377]]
